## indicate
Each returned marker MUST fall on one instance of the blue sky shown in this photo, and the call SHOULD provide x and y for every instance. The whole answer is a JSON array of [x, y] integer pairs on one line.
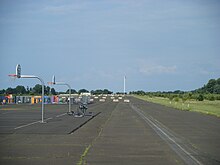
[[159, 45]]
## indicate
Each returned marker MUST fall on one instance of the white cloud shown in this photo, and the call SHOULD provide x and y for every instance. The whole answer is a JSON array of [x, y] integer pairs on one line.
[[65, 9], [149, 69]]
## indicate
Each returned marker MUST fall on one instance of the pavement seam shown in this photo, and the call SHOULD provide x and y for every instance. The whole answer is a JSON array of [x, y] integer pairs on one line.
[[82, 160], [167, 136]]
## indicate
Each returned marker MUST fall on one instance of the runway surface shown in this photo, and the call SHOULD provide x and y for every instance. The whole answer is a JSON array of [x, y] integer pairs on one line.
[[138, 132]]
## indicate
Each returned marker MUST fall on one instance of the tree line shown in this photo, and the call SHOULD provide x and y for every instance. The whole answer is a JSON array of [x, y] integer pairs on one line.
[[210, 91], [37, 90]]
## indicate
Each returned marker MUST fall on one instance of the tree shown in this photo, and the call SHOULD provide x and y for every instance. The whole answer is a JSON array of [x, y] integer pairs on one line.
[[10, 91], [37, 89], [210, 97], [53, 92], [73, 91], [83, 91], [20, 90], [47, 90], [218, 81], [210, 85], [99, 91], [217, 89], [2, 91], [28, 90]]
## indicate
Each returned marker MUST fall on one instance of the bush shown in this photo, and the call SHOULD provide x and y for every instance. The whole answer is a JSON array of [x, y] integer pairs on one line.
[[211, 98], [200, 97], [176, 99], [217, 97]]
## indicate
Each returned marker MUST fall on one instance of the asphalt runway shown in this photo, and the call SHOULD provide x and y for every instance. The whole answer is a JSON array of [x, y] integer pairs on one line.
[[120, 133]]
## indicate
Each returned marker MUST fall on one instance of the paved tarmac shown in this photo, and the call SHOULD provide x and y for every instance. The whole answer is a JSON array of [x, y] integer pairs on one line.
[[121, 133]]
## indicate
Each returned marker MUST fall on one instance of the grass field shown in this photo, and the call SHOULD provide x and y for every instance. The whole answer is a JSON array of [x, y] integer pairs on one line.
[[206, 107]]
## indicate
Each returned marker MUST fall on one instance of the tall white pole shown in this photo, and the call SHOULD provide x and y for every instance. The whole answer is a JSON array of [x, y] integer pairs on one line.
[[124, 84]]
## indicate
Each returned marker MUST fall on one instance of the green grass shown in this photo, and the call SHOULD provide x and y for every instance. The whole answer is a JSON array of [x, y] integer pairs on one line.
[[82, 161], [206, 107]]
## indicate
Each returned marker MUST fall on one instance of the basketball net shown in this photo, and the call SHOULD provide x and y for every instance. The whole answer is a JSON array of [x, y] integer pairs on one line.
[[12, 77], [50, 83]]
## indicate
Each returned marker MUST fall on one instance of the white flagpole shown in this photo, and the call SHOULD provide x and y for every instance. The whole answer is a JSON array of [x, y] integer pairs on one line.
[[124, 84]]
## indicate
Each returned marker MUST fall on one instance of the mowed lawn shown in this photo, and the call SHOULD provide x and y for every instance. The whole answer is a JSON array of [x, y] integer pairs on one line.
[[207, 107]]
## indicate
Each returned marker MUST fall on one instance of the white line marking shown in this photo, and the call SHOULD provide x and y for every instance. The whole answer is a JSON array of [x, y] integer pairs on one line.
[[61, 115], [5, 113], [26, 125], [159, 129]]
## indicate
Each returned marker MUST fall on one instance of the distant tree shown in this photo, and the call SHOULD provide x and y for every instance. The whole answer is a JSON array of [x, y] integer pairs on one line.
[[100, 91], [217, 89], [37, 89], [2, 91], [27, 90], [53, 92], [10, 91], [218, 81], [106, 91], [141, 92], [83, 91], [210, 86], [20, 90], [31, 91], [47, 90], [73, 91], [210, 97]]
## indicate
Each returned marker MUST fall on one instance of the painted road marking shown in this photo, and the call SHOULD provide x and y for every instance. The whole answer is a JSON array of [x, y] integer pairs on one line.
[[26, 125], [39, 121], [61, 115], [4, 113], [168, 137]]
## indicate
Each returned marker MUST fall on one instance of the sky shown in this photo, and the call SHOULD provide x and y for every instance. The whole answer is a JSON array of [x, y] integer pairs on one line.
[[160, 45]]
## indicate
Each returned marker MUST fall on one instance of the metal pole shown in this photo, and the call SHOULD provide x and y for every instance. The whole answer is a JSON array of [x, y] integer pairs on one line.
[[42, 83], [124, 84], [62, 83], [42, 105], [70, 97]]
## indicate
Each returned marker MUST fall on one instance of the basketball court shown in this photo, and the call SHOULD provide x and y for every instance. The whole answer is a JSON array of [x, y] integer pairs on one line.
[[27, 119]]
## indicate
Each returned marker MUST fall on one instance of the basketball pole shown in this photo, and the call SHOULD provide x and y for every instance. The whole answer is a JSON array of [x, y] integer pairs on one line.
[[63, 83], [42, 99], [18, 75]]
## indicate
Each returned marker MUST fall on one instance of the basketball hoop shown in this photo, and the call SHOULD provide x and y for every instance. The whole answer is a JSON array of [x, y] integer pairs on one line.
[[12, 77], [50, 83]]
